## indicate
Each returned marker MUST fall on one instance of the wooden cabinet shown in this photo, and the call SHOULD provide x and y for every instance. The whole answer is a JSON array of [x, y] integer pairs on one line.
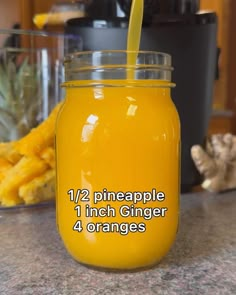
[[220, 124], [223, 119], [9, 13], [222, 8]]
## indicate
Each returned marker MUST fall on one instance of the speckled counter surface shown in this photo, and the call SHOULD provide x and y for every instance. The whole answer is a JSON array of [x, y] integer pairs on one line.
[[202, 260]]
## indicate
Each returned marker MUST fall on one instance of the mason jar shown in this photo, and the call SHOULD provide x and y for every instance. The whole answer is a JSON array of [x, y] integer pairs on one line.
[[118, 159]]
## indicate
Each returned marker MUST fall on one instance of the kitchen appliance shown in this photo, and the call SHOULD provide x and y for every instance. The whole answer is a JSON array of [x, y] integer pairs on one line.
[[176, 27]]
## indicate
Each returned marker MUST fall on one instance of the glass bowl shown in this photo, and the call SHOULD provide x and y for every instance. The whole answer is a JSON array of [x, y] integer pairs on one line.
[[31, 71]]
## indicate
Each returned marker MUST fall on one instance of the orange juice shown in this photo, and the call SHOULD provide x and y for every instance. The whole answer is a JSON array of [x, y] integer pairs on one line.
[[117, 147]]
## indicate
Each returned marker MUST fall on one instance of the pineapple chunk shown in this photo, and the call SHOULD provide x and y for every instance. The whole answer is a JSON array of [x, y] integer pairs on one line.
[[12, 199], [41, 188], [4, 166], [8, 152], [40, 137], [24, 171], [48, 155]]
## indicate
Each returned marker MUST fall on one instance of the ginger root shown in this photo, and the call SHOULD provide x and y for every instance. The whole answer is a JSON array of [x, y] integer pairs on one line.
[[217, 163]]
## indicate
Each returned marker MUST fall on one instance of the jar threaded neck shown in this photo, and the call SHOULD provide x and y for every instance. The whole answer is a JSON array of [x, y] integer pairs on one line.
[[115, 65]]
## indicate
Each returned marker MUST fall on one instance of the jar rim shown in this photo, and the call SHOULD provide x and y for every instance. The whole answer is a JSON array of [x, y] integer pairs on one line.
[[87, 52], [117, 64], [167, 57]]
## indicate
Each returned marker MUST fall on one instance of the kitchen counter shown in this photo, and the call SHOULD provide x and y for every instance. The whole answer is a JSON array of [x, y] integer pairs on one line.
[[202, 260]]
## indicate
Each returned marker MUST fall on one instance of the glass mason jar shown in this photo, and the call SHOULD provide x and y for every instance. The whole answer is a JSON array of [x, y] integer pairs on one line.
[[117, 153]]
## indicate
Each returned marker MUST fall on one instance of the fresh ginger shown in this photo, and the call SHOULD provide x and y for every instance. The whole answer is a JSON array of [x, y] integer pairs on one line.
[[217, 163]]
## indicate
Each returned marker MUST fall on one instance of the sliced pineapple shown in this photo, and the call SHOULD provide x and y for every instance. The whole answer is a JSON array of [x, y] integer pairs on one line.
[[24, 171], [4, 166], [27, 166], [40, 137], [8, 152], [48, 155], [41, 188]]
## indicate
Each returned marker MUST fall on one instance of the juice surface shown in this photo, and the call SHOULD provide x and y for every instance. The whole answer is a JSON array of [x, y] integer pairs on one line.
[[122, 139]]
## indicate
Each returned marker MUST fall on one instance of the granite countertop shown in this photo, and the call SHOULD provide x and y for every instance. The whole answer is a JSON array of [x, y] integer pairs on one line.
[[202, 260]]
